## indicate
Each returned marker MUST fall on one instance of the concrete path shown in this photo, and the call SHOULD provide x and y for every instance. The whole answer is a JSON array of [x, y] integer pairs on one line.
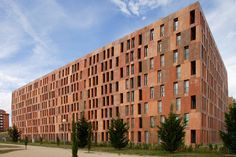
[[37, 151]]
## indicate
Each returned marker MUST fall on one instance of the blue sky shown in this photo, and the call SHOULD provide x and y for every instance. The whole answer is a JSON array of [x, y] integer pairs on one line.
[[38, 36]]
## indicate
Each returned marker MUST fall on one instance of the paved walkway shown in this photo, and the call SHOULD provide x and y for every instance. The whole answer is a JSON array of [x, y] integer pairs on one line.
[[37, 151]]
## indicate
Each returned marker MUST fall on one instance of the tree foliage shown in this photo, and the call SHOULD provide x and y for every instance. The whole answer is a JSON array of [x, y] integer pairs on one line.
[[14, 133], [83, 132], [89, 136], [118, 132], [229, 136], [171, 132], [74, 136]]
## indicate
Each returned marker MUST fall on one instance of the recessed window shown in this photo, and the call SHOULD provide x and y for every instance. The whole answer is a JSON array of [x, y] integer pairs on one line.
[[146, 51], [186, 53], [178, 104], [151, 34], [128, 44], [193, 102], [162, 90], [159, 76], [121, 73], [152, 93], [193, 136], [152, 121], [140, 122], [193, 33], [178, 72], [192, 16], [175, 24], [193, 68], [139, 53], [145, 108], [122, 47], [186, 86], [178, 39], [175, 56], [162, 60], [139, 109], [117, 61], [140, 66], [145, 79], [139, 137], [159, 107], [132, 42], [159, 46], [176, 88], [132, 69], [162, 30], [151, 63], [140, 39], [131, 56], [127, 70]]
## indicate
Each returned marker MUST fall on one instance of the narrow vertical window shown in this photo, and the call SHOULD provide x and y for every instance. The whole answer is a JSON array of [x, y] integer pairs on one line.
[[176, 24], [140, 39], [192, 16], [151, 34], [162, 60], [152, 93], [159, 107], [178, 39], [162, 30], [178, 104], [122, 47], [159, 76], [186, 86], [146, 51], [175, 56], [162, 90], [193, 33], [193, 68], [145, 79], [151, 63], [193, 102], [178, 72], [176, 88], [159, 46], [186, 53]]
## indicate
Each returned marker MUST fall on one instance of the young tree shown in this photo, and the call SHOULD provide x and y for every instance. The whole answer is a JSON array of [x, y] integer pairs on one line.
[[171, 132], [118, 132], [74, 136], [82, 132], [26, 142], [58, 141], [229, 136], [89, 136], [14, 133]]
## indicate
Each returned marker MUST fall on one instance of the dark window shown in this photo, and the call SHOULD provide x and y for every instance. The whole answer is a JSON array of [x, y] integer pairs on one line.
[[140, 39], [140, 94], [117, 111], [193, 33], [122, 47], [193, 136], [140, 66], [128, 44], [121, 72], [193, 68], [139, 53], [132, 43], [121, 98], [139, 81], [139, 136], [193, 102], [117, 86], [192, 16], [117, 61], [140, 122], [139, 109]]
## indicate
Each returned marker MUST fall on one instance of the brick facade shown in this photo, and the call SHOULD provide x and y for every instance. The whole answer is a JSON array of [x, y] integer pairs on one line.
[[172, 61]]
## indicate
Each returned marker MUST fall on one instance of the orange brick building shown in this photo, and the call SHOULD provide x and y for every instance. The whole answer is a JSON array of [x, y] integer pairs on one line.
[[4, 120], [171, 61]]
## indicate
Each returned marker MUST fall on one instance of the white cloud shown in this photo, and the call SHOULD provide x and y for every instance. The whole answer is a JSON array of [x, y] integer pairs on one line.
[[139, 7]]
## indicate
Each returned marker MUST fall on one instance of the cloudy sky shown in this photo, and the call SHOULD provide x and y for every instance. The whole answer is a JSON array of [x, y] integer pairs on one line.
[[39, 36]]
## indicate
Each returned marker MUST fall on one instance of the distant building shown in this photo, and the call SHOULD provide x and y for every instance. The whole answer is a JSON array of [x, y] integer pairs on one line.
[[172, 61], [4, 120]]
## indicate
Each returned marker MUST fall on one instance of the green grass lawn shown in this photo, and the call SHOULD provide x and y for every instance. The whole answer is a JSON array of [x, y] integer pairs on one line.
[[8, 148], [141, 152]]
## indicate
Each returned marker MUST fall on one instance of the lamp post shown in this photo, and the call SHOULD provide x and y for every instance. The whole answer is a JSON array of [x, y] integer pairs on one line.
[[64, 131]]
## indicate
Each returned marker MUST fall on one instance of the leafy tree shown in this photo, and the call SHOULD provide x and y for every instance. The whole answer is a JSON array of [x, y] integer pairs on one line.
[[118, 132], [75, 144], [14, 133], [171, 132], [89, 136], [229, 136], [82, 132]]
